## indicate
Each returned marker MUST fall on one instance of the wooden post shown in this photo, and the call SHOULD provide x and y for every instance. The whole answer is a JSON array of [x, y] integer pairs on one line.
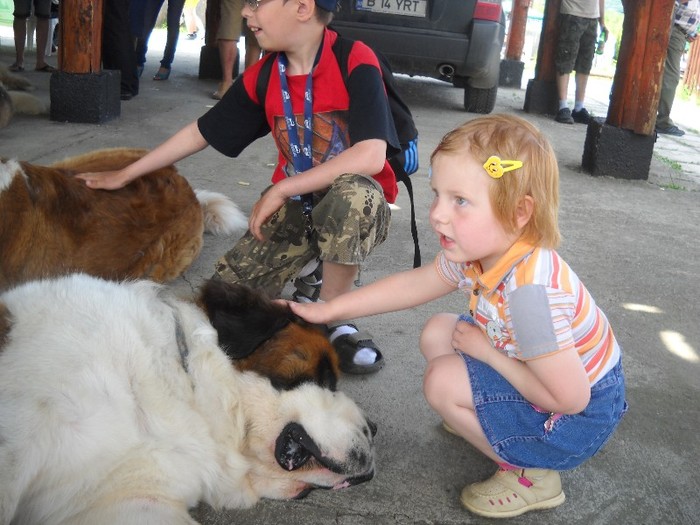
[[691, 78], [637, 83], [516, 32], [81, 91], [511, 74], [80, 49], [623, 145], [541, 95]]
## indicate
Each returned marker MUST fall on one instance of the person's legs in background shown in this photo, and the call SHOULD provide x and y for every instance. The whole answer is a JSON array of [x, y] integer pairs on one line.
[[148, 11], [19, 26], [175, 8], [42, 12], [227, 41], [118, 47], [669, 83], [193, 24]]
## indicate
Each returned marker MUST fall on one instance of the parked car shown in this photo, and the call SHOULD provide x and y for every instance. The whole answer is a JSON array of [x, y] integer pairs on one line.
[[458, 41]]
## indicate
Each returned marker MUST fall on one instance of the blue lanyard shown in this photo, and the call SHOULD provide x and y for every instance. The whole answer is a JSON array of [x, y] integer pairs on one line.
[[302, 154]]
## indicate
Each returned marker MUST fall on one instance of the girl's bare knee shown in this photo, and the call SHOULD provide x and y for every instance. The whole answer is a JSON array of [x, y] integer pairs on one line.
[[436, 336]]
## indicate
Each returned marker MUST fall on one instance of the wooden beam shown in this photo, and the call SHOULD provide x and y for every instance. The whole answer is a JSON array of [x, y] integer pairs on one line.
[[545, 70], [516, 31], [80, 46], [637, 84]]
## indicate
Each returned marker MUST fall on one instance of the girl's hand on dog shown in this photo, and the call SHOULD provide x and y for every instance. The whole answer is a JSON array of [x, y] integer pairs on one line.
[[317, 313], [104, 180]]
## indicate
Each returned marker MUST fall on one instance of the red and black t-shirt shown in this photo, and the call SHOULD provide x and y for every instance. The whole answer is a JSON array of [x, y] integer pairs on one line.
[[344, 113]]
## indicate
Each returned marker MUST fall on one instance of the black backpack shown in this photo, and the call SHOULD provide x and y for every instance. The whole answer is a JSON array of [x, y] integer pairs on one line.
[[403, 163]]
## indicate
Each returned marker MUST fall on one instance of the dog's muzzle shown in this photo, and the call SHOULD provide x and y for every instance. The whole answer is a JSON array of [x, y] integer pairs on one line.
[[294, 448]]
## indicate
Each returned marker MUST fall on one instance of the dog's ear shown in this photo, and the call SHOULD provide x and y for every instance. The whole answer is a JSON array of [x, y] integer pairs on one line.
[[243, 318]]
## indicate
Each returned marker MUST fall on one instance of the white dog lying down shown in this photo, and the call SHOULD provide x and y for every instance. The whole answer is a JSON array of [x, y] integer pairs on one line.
[[117, 406]]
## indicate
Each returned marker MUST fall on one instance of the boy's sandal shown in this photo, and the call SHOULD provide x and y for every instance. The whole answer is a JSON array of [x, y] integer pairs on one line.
[[15, 68], [308, 288], [347, 345], [46, 68]]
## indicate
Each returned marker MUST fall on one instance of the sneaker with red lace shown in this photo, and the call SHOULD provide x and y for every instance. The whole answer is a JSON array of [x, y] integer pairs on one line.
[[513, 492]]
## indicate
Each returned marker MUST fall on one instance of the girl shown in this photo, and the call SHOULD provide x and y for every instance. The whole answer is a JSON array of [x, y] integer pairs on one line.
[[531, 376]]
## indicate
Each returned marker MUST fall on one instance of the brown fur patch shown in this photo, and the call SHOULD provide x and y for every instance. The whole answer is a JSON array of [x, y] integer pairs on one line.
[[53, 224], [264, 336], [296, 354]]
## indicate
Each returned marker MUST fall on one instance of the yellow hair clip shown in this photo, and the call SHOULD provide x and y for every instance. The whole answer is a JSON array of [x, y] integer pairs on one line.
[[495, 167]]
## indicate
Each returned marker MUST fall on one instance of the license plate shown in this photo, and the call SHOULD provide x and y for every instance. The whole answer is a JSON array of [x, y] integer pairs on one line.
[[393, 7]]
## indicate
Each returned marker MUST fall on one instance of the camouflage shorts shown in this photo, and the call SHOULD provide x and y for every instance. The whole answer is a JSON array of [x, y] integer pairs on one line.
[[576, 45], [349, 221]]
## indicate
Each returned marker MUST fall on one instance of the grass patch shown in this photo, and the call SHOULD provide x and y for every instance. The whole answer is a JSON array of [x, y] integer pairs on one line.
[[676, 166]]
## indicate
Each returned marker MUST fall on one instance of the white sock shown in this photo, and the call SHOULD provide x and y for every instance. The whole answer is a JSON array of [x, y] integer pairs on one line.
[[364, 356], [563, 104], [578, 106]]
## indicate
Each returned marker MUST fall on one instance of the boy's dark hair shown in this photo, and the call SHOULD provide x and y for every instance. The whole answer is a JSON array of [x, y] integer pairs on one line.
[[326, 8]]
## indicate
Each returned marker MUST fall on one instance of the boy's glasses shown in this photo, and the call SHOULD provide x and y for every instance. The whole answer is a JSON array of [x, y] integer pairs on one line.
[[254, 4], [495, 167]]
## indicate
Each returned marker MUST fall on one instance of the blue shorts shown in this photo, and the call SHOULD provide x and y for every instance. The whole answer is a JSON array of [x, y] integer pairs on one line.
[[516, 429]]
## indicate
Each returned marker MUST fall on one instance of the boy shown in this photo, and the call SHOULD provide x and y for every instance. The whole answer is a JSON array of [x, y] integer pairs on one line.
[[332, 184]]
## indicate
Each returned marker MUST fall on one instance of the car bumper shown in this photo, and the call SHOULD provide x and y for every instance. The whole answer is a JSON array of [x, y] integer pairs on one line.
[[435, 53]]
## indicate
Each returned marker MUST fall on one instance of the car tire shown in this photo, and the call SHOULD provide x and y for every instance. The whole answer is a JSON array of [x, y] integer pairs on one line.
[[480, 100]]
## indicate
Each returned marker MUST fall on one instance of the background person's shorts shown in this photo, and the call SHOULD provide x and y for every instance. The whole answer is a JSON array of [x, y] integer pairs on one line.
[[231, 20], [349, 221], [42, 8], [576, 44]]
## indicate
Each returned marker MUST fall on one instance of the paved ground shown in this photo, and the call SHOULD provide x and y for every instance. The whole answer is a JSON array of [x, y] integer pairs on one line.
[[633, 243]]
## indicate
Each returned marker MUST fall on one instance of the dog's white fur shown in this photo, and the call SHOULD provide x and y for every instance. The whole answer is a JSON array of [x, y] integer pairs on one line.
[[14, 98], [106, 418]]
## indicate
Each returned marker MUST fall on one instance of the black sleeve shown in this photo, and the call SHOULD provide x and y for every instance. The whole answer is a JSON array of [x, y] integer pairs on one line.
[[234, 122], [370, 115]]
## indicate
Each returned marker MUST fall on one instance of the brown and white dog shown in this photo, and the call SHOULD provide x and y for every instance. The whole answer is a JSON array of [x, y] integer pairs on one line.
[[118, 405], [51, 224]]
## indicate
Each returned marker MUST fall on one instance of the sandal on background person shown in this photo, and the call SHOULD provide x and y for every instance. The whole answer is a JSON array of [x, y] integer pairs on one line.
[[163, 73], [15, 68]]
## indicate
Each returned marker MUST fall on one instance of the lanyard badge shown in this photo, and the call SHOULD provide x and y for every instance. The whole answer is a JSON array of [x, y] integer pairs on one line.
[[302, 154]]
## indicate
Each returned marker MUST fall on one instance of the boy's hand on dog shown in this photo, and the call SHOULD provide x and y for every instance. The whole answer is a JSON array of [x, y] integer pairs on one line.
[[104, 180]]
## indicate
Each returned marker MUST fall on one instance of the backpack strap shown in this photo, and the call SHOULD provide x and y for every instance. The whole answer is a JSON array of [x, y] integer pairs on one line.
[[342, 48], [402, 176], [264, 77]]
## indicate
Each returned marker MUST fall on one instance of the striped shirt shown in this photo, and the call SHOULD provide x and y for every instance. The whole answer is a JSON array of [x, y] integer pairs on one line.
[[532, 304]]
